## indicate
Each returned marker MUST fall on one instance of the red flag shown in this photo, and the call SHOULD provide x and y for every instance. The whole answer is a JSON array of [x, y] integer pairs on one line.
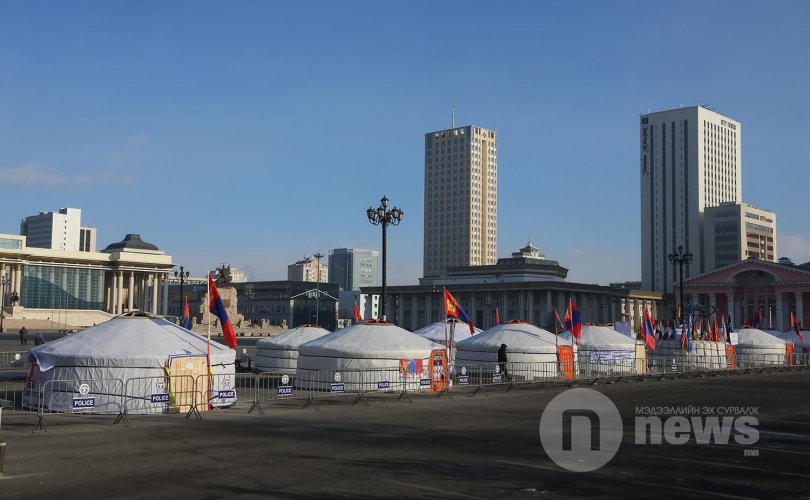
[[647, 329], [497, 317], [357, 317], [795, 325], [453, 309], [186, 322], [573, 321], [217, 308]]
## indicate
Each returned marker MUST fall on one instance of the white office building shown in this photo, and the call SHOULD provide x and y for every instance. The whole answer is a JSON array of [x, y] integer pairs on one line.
[[55, 230], [738, 231], [690, 160], [461, 199]]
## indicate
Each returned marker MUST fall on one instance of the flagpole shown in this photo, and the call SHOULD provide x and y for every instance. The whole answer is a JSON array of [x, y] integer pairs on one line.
[[208, 355]]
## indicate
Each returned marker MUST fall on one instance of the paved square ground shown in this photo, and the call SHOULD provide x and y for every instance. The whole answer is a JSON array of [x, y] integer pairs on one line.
[[468, 447]]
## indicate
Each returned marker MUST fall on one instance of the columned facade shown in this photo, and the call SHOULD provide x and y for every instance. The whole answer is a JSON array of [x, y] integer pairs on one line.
[[534, 302], [740, 290]]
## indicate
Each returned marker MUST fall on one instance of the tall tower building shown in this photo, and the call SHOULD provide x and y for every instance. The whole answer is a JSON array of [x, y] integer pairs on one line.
[[461, 199], [690, 160]]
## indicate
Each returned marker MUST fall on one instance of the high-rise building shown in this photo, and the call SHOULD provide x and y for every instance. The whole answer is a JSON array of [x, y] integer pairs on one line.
[[461, 199], [352, 268], [737, 231], [55, 230], [306, 269], [690, 160]]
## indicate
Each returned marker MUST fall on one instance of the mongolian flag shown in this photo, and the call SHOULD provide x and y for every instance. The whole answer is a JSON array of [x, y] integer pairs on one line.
[[497, 317], [714, 334], [647, 327], [217, 308], [758, 318], [453, 309], [186, 321], [795, 325], [357, 317], [573, 320]]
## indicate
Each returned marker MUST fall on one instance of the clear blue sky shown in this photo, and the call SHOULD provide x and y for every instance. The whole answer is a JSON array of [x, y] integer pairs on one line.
[[257, 132]]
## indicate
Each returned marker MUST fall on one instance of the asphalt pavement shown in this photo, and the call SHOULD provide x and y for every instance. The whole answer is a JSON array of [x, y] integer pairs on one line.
[[466, 447]]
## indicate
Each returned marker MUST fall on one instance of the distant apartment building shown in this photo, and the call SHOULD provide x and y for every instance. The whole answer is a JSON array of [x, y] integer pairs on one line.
[[737, 231], [57, 231], [306, 269], [461, 199], [689, 161], [352, 268]]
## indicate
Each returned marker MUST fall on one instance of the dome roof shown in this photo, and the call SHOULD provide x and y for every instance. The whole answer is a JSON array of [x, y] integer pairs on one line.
[[601, 338], [790, 336], [755, 336], [130, 242], [369, 339], [435, 331], [128, 341], [518, 337], [293, 338]]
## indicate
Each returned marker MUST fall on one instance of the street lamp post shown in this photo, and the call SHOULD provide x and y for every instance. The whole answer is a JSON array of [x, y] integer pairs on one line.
[[182, 276], [384, 218], [680, 257], [318, 256], [3, 282]]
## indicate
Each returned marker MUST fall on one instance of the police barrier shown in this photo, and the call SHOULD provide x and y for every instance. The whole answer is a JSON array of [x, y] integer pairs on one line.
[[11, 398], [78, 396], [14, 360], [321, 384], [764, 360], [165, 394], [270, 387], [219, 390], [685, 362], [614, 368], [801, 359]]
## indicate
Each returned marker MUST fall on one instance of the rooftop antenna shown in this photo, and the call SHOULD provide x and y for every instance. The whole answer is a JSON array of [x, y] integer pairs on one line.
[[453, 117]]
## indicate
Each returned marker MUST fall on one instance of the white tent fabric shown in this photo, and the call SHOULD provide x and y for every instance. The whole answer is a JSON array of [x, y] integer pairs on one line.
[[604, 351], [757, 348], [124, 348], [791, 337], [362, 352], [435, 332], [530, 350], [280, 354]]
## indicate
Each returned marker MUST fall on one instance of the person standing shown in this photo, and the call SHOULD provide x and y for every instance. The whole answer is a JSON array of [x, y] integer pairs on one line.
[[502, 361], [23, 336], [39, 339]]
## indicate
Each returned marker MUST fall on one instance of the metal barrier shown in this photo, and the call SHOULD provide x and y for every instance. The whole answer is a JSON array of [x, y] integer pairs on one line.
[[14, 360], [274, 386], [216, 390], [163, 394], [258, 392], [79, 396]]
